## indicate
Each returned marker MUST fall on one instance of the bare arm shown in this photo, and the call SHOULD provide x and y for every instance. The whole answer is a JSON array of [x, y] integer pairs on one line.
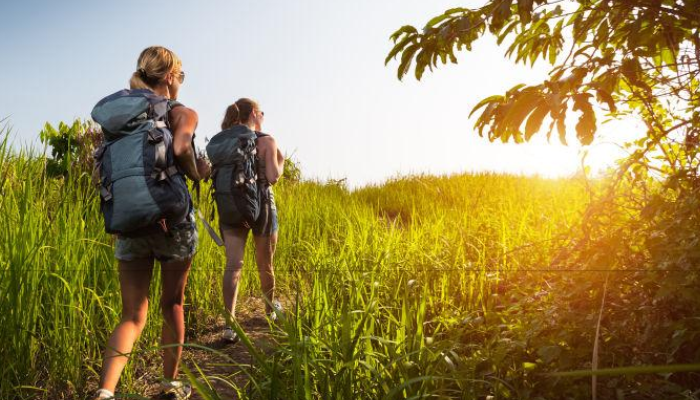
[[280, 158], [183, 122], [274, 160]]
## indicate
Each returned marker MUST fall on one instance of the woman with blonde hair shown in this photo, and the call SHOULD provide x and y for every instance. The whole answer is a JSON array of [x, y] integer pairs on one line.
[[145, 201], [243, 122]]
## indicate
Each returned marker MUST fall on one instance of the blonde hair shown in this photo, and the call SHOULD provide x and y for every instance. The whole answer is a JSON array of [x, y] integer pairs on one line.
[[239, 112], [154, 64]]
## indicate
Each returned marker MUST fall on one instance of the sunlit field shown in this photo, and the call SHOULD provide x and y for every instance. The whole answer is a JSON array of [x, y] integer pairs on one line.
[[422, 287]]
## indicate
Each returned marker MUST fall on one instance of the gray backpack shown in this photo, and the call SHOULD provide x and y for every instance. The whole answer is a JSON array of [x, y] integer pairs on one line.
[[233, 157], [141, 188]]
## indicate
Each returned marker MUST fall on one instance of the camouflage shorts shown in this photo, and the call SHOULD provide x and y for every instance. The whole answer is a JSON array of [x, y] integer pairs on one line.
[[180, 245]]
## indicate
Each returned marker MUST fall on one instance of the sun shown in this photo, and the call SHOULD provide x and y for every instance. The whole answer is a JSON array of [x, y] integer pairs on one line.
[[554, 159]]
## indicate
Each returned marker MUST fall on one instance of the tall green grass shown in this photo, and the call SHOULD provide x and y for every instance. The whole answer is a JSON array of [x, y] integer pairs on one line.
[[386, 278], [59, 288], [379, 280]]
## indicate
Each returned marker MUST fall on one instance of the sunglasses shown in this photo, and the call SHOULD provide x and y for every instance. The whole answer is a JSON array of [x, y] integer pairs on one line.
[[181, 76]]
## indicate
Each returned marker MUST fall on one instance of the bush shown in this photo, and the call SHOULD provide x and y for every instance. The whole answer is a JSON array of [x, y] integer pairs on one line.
[[71, 146]]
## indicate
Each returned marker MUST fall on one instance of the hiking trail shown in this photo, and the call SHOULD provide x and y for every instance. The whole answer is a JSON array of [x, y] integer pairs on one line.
[[220, 369]]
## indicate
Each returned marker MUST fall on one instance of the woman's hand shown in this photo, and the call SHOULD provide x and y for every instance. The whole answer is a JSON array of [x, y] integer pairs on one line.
[[203, 168]]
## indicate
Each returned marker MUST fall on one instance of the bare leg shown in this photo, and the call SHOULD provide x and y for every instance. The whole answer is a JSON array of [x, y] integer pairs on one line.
[[264, 254], [174, 279], [134, 279], [234, 240]]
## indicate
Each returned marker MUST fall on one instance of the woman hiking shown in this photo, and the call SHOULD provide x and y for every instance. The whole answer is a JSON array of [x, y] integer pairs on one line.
[[242, 124], [145, 157]]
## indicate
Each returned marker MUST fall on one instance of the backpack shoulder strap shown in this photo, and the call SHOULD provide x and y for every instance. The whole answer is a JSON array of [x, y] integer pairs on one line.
[[174, 104], [159, 106]]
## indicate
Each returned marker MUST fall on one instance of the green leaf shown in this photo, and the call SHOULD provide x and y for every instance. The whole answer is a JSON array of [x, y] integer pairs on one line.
[[436, 20], [668, 59], [488, 100], [585, 128], [525, 10], [457, 10], [507, 30], [534, 121], [606, 97], [399, 47], [48, 132], [529, 366], [406, 29], [602, 34], [407, 59], [422, 60], [515, 88], [561, 128], [521, 106], [553, 55], [500, 13]]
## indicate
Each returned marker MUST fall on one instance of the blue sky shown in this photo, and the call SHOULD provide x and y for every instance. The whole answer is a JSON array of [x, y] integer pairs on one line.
[[316, 67]]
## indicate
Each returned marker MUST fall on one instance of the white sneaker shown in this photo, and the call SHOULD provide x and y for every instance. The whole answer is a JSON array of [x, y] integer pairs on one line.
[[229, 335], [175, 390], [276, 309], [103, 394]]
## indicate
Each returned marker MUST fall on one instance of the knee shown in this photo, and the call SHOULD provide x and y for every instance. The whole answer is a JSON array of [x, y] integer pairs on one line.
[[136, 317], [234, 268], [172, 305], [266, 269]]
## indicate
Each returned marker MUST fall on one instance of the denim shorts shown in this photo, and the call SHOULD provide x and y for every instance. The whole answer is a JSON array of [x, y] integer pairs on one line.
[[267, 224], [179, 245]]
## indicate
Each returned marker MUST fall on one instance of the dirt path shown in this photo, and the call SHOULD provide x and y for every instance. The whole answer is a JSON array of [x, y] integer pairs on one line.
[[223, 367], [250, 314], [219, 368]]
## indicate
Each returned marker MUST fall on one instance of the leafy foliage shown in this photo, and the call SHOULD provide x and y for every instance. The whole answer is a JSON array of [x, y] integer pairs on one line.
[[292, 171], [71, 146], [629, 297], [624, 56]]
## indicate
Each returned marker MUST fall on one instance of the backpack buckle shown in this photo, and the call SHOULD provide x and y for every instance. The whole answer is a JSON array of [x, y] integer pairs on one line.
[[106, 192], [155, 136], [159, 175]]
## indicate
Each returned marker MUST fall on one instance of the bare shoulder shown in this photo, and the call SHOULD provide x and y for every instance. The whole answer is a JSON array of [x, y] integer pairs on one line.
[[183, 113], [183, 118], [266, 145], [267, 142]]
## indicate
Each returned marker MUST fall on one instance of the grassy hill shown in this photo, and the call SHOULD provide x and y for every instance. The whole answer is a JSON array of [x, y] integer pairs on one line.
[[415, 255], [423, 286]]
